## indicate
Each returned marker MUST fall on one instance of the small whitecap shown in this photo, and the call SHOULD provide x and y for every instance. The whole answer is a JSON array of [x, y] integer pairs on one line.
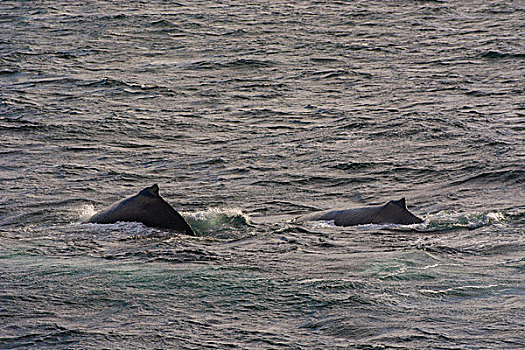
[[86, 211], [216, 219]]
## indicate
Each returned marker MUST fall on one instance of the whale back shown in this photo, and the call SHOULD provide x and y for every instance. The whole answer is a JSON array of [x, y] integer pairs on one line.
[[147, 207], [393, 212], [360, 216]]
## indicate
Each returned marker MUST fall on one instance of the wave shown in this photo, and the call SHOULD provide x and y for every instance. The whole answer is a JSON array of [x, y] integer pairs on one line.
[[221, 223], [503, 175], [446, 221], [111, 82], [236, 63], [497, 55]]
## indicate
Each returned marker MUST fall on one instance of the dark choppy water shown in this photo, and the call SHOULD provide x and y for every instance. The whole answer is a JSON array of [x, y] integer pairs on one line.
[[248, 114]]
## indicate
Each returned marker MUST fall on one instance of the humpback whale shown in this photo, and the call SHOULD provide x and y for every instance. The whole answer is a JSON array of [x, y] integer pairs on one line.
[[393, 212], [147, 207]]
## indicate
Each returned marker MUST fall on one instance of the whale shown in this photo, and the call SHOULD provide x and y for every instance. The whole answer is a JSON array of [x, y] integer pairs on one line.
[[147, 207], [393, 212]]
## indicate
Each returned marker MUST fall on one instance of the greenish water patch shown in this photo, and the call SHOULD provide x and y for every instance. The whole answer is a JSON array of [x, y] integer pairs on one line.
[[407, 266], [220, 223], [445, 221]]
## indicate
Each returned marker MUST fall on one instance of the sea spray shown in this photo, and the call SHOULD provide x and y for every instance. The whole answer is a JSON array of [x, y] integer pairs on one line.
[[86, 211], [218, 222], [446, 221]]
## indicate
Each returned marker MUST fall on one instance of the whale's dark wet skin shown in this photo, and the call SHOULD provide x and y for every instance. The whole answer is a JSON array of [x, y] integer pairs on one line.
[[147, 207], [393, 212]]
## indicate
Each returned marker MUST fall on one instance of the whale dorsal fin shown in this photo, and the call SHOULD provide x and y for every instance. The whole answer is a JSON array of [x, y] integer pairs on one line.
[[400, 203], [152, 191], [155, 190]]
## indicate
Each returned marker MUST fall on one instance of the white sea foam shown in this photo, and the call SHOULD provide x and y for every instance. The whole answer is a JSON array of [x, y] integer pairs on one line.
[[86, 211]]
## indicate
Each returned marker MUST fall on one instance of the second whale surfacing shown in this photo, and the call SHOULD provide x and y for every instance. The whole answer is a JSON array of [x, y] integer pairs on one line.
[[393, 212], [147, 207]]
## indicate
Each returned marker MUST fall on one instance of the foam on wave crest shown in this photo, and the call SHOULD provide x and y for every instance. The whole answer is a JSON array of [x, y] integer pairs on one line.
[[217, 220], [445, 221]]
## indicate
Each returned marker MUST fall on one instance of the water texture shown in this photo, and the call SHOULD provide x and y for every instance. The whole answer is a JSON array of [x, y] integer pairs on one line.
[[248, 114]]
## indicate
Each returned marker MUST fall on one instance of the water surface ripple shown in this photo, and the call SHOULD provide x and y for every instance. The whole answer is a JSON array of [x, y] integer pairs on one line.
[[248, 114]]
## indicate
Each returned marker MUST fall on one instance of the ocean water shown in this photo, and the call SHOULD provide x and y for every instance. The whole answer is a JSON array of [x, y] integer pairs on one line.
[[248, 114]]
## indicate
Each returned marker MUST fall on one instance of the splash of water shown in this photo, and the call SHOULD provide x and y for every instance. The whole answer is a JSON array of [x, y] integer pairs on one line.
[[86, 211], [217, 220], [445, 221]]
